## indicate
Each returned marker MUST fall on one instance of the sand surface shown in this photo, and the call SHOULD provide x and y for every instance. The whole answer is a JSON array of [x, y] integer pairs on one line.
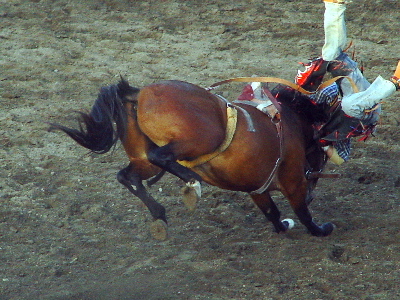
[[69, 230]]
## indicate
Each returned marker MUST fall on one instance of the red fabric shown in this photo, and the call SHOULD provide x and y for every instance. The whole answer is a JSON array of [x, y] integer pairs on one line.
[[310, 68], [247, 93]]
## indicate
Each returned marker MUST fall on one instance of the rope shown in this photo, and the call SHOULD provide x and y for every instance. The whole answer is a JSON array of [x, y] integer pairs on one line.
[[284, 82]]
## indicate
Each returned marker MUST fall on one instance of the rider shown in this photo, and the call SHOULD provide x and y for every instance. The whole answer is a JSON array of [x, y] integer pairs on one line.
[[362, 107]]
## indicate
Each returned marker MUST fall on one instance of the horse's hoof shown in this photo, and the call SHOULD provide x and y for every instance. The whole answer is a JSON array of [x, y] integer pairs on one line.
[[191, 194], [288, 223], [323, 230], [190, 198], [196, 186], [159, 230], [327, 228]]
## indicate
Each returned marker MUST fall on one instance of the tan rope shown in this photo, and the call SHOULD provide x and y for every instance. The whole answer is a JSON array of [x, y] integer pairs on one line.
[[334, 79], [284, 82], [260, 79]]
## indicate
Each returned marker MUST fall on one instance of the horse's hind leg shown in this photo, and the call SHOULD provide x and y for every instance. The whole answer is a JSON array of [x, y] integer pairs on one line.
[[155, 178], [132, 181], [271, 212], [164, 158]]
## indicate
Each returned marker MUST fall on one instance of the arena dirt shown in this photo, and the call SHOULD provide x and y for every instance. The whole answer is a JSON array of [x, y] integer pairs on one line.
[[69, 230]]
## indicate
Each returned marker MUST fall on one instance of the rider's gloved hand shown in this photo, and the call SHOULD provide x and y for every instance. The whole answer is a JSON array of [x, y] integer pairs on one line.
[[396, 77]]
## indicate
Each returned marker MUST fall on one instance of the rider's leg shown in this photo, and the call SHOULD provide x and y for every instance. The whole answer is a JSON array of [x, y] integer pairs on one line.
[[333, 58], [335, 30], [335, 42], [343, 65], [365, 105], [356, 105]]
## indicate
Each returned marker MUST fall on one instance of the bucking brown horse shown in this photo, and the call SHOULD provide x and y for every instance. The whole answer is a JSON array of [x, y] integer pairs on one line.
[[188, 131]]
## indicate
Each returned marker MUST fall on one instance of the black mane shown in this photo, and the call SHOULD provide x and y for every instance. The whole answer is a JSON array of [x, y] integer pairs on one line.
[[300, 103]]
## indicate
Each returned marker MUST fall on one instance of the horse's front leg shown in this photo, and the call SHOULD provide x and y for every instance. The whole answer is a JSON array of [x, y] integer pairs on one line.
[[296, 189], [297, 195], [305, 218], [133, 182], [271, 212]]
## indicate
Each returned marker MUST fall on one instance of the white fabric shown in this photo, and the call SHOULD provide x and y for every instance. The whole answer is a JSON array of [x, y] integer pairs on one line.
[[357, 77], [256, 86], [335, 42], [264, 105], [335, 30], [355, 104]]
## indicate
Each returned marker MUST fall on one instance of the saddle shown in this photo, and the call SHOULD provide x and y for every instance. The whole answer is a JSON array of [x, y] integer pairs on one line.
[[260, 97]]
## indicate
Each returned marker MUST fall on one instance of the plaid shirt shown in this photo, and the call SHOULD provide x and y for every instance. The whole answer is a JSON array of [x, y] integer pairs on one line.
[[328, 95], [343, 148]]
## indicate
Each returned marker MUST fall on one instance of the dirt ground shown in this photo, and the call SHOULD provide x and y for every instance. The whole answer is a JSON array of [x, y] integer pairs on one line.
[[69, 230]]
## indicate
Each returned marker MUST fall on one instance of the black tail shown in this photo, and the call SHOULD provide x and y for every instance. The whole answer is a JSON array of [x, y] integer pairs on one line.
[[96, 130]]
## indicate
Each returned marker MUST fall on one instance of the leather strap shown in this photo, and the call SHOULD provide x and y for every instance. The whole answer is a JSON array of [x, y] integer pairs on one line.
[[278, 161], [264, 104]]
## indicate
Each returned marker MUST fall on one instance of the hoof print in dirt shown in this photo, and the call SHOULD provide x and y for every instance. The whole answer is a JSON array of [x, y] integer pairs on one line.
[[338, 253]]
